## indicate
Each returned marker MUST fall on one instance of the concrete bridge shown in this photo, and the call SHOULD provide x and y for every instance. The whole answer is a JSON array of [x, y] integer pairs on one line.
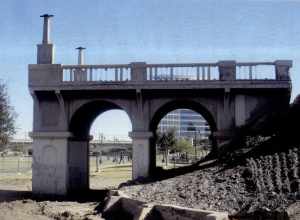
[[67, 99]]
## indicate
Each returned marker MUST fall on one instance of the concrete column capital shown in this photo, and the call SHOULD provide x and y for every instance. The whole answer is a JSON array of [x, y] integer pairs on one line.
[[226, 63], [50, 135]]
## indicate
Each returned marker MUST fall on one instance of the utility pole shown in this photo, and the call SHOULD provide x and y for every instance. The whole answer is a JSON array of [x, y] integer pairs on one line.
[[195, 143]]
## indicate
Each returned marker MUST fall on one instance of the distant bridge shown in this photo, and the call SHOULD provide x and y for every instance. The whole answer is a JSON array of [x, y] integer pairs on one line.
[[98, 145]]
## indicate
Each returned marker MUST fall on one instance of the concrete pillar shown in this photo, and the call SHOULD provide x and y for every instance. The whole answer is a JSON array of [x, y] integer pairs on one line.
[[45, 52], [240, 110], [80, 55], [49, 163], [78, 165], [282, 68], [141, 160], [227, 69], [138, 71]]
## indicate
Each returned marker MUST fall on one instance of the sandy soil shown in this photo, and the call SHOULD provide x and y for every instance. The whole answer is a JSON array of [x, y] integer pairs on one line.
[[16, 202], [27, 209]]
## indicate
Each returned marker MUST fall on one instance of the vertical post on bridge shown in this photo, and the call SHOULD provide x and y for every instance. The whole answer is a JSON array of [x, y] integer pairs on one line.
[[282, 68], [80, 55], [45, 53]]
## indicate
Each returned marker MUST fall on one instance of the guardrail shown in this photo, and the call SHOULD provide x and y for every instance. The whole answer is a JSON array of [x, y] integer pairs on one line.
[[192, 71], [95, 73], [223, 70], [255, 71]]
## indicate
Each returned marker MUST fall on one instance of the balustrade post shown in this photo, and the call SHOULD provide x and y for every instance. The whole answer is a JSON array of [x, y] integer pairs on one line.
[[138, 71], [282, 68], [227, 70]]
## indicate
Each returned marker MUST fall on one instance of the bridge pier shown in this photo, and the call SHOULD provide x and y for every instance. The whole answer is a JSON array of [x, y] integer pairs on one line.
[[60, 163], [141, 158], [78, 164], [49, 163]]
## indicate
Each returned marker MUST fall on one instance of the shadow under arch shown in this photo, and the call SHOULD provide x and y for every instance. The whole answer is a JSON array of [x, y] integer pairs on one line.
[[83, 118]]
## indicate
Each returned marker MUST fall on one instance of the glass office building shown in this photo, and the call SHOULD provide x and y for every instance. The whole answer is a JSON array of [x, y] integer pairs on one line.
[[186, 124]]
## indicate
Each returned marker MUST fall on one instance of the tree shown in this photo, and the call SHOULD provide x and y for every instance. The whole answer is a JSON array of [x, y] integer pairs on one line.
[[166, 141], [7, 117], [183, 145]]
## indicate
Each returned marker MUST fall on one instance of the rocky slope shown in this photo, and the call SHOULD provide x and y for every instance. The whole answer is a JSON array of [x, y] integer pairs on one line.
[[269, 183]]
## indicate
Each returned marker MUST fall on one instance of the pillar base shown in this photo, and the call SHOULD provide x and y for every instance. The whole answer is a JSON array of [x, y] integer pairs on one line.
[[59, 164], [49, 163], [141, 160]]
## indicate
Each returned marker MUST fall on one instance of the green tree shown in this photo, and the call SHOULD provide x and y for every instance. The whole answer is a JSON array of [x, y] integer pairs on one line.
[[7, 117], [183, 145]]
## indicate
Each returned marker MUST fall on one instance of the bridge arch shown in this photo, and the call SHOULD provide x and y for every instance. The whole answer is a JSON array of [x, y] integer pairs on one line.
[[172, 105], [80, 123], [83, 117], [182, 104]]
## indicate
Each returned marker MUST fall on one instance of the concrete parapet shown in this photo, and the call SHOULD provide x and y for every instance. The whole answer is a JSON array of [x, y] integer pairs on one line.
[[44, 74], [138, 71], [282, 68], [227, 69]]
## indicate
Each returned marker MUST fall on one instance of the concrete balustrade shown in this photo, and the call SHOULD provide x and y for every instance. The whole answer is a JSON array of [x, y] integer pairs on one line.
[[137, 72]]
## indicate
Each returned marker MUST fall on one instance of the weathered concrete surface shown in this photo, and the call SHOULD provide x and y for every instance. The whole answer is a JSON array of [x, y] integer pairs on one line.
[[49, 163], [122, 205]]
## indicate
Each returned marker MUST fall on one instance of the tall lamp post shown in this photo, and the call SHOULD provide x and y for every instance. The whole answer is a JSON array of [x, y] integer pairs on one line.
[[191, 127]]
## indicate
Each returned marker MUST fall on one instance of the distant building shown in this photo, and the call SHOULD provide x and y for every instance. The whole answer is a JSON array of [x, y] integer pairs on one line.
[[186, 123]]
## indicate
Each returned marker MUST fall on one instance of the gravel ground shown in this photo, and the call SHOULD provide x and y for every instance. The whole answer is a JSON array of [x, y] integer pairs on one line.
[[209, 189]]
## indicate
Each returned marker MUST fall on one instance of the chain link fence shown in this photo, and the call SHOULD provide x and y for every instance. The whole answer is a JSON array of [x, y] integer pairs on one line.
[[15, 164]]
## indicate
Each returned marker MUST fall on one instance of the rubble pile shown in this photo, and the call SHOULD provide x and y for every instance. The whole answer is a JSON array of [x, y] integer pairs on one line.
[[269, 183]]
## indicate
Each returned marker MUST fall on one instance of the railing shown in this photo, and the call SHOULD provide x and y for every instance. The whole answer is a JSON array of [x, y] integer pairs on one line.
[[208, 71], [223, 70], [255, 71], [95, 73]]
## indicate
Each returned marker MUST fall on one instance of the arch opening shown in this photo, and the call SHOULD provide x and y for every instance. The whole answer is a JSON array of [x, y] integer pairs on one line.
[[100, 146], [182, 134]]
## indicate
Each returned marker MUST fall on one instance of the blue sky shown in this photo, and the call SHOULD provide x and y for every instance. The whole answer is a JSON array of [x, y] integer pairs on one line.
[[118, 31]]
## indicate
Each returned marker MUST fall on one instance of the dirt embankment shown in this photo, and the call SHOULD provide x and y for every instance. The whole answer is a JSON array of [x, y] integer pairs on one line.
[[265, 184]]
